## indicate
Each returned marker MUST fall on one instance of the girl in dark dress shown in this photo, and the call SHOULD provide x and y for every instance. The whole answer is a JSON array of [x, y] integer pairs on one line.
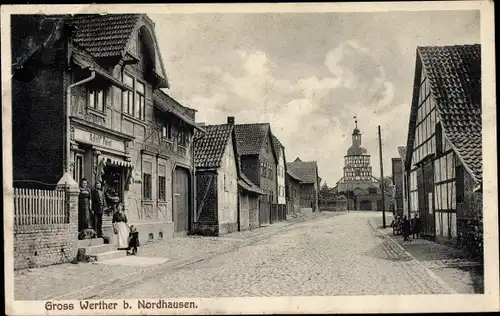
[[133, 240], [84, 220]]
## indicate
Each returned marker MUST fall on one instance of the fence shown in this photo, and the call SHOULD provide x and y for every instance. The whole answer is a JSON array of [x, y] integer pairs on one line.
[[35, 206]]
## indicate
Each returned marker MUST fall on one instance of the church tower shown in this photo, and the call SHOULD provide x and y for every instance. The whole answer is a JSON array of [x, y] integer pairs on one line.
[[357, 165]]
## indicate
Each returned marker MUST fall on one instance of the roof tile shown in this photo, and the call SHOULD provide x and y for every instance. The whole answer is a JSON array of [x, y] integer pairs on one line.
[[210, 149], [305, 170], [250, 137], [104, 35], [455, 76]]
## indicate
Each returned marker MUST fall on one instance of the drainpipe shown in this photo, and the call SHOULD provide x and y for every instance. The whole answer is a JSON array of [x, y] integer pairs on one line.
[[68, 124]]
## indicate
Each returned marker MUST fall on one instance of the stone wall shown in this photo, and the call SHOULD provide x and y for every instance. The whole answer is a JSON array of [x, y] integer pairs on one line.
[[43, 245]]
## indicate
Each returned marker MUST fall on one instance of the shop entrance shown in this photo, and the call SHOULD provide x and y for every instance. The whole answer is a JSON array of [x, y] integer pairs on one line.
[[112, 179]]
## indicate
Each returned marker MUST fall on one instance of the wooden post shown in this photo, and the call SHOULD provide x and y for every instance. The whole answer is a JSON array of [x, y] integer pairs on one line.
[[381, 175]]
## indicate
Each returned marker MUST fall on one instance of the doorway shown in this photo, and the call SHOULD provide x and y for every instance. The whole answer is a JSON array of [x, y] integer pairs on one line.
[[425, 185], [365, 205], [112, 180], [181, 206]]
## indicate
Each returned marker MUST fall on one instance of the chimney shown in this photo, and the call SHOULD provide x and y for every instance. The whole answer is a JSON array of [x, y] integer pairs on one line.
[[230, 120]]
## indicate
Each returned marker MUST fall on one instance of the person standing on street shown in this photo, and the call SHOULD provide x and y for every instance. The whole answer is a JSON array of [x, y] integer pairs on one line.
[[406, 228], [415, 226], [98, 206]]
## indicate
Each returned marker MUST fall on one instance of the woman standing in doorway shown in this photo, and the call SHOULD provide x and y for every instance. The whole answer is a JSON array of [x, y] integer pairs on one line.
[[84, 196], [120, 226]]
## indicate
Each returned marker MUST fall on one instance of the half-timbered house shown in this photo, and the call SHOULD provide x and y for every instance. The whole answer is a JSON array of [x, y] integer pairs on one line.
[[443, 158]]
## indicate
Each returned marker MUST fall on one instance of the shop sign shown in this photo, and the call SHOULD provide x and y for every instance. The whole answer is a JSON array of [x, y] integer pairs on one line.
[[98, 140]]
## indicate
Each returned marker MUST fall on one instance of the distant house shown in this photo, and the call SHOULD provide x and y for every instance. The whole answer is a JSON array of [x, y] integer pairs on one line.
[[258, 161], [307, 171], [403, 180], [444, 146], [224, 199], [249, 195], [293, 192], [278, 213]]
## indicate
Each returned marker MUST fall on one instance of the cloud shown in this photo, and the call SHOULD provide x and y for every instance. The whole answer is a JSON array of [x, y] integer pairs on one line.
[[312, 116]]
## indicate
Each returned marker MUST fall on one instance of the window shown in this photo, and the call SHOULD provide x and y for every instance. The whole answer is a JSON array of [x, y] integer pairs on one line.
[[146, 185], [162, 185], [78, 168], [439, 139], [128, 95], [226, 185], [134, 105], [96, 99], [182, 136], [372, 190], [140, 101], [166, 131]]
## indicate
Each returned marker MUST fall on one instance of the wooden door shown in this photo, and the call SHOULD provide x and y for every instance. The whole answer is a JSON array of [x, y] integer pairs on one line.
[[425, 176], [181, 215]]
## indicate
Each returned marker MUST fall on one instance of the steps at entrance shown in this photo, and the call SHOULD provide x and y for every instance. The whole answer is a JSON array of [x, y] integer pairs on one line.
[[111, 255], [96, 250]]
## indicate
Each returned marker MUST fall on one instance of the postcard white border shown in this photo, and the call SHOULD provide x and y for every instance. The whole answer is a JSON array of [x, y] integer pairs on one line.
[[253, 305]]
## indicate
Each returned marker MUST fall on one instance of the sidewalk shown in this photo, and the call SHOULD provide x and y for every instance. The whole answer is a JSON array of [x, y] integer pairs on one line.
[[69, 281], [448, 263]]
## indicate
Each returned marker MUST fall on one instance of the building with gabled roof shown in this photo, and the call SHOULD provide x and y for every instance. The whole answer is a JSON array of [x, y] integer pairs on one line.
[[307, 171], [91, 83], [443, 159], [258, 159], [227, 200]]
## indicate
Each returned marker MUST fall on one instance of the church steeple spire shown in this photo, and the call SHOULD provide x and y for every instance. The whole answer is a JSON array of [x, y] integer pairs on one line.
[[356, 134]]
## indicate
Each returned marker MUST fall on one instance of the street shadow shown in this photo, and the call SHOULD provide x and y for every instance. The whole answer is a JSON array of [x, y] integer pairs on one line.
[[386, 251], [477, 277]]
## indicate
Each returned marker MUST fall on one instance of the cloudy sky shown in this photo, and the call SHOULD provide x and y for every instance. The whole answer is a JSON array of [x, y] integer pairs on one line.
[[307, 74]]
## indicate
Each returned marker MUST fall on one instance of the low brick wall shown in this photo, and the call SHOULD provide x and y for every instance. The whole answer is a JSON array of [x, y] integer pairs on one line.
[[43, 245], [206, 228]]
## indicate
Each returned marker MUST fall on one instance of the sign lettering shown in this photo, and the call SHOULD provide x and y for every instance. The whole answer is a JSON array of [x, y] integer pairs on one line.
[[98, 140]]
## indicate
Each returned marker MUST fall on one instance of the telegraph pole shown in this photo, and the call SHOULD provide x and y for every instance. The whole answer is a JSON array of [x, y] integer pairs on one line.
[[381, 175]]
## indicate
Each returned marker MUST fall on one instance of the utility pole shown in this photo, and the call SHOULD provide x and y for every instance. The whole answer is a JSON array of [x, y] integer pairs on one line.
[[381, 175]]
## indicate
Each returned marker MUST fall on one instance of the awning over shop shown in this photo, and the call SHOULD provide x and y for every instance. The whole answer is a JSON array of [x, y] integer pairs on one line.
[[118, 162], [105, 160]]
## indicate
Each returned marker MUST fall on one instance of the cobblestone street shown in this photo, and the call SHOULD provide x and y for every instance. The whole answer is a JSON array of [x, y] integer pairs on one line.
[[340, 255]]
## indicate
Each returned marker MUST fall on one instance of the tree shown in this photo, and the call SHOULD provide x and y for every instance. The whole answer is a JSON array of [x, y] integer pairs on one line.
[[389, 189]]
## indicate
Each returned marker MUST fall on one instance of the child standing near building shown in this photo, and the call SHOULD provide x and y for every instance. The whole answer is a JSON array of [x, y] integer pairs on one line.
[[133, 240]]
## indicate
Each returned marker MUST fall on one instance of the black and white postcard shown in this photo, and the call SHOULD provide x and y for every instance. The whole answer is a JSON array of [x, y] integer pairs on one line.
[[249, 158]]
